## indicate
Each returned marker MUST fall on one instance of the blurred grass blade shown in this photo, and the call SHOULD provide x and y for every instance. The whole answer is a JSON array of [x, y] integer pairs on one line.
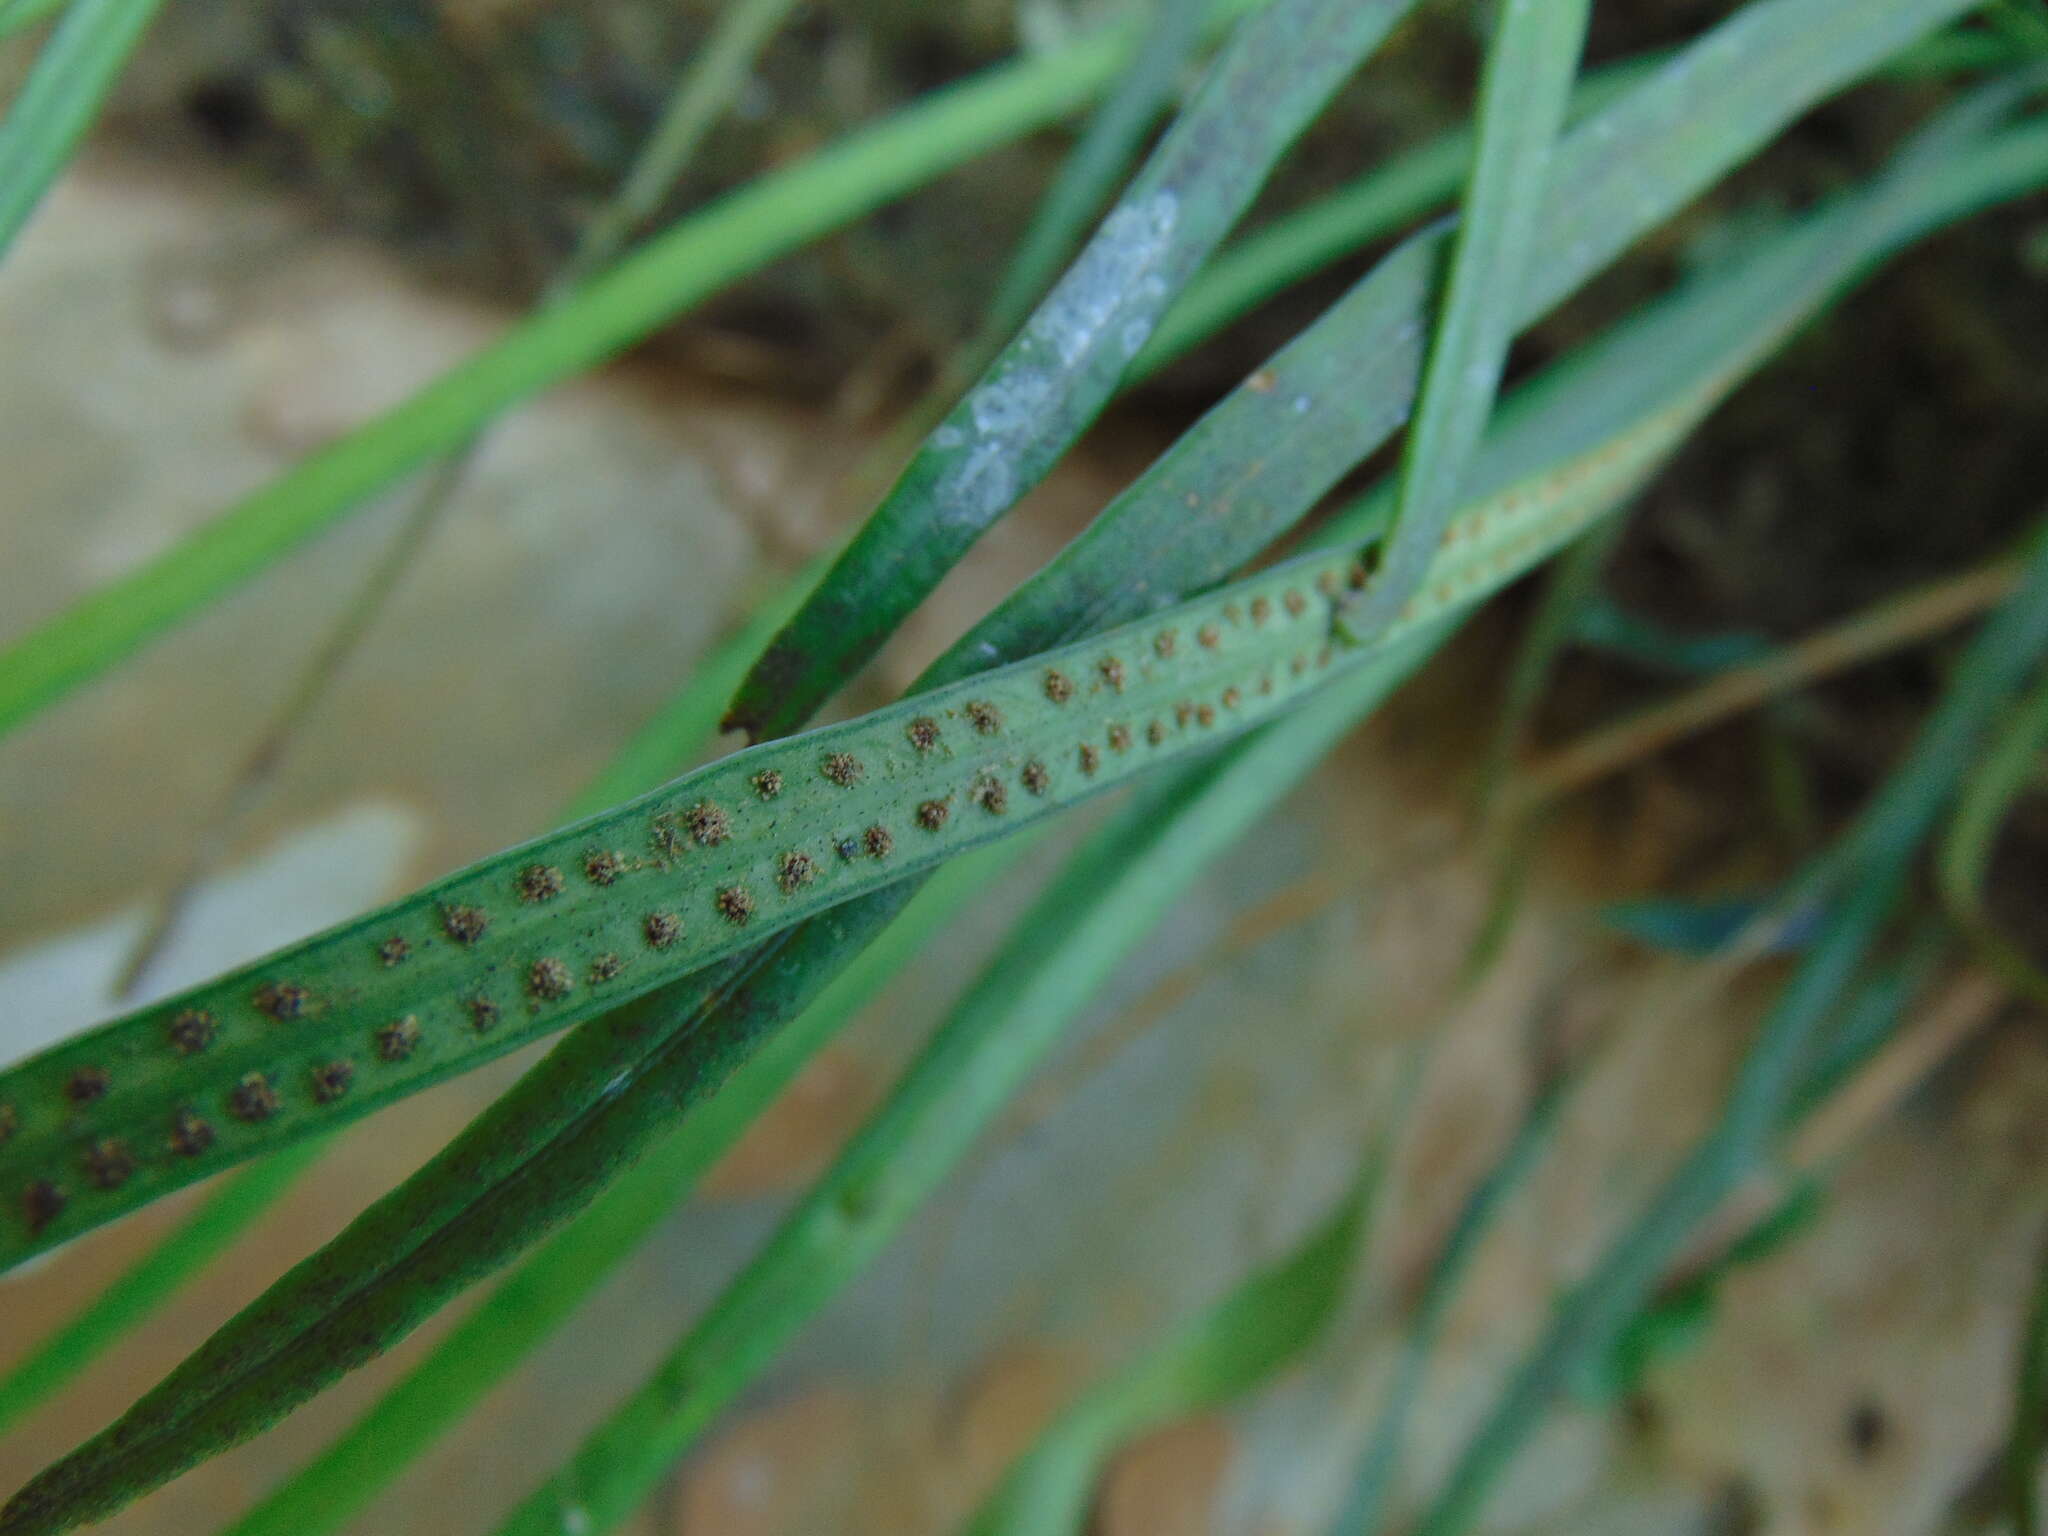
[[713, 81], [19, 15], [1572, 582], [557, 1136], [1864, 1024], [1109, 897], [1052, 380], [1523, 91], [1382, 1456], [696, 257], [57, 103], [1888, 834], [1257, 1330], [140, 1291], [537, 1298], [2008, 771], [1090, 174], [2029, 1410]]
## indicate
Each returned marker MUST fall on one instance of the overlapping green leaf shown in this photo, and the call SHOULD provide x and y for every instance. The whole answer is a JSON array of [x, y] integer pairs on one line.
[[1107, 900], [141, 1289], [1523, 92], [522, 1313], [1051, 381], [1243, 474]]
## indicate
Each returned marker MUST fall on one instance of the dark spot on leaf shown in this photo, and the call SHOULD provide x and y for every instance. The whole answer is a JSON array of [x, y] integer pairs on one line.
[[549, 980], [42, 1203], [797, 869], [465, 925], [399, 1039], [282, 1000], [192, 1031], [253, 1099], [540, 882], [108, 1164], [191, 1134]]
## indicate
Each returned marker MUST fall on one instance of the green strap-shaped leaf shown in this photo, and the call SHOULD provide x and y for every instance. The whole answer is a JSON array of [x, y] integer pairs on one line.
[[1267, 260], [62, 95], [1094, 914], [522, 1313], [567, 1127], [561, 1133], [136, 1294], [704, 92], [1048, 384], [2009, 769], [1098, 162], [1262, 1326], [1523, 90], [590, 917], [685, 264]]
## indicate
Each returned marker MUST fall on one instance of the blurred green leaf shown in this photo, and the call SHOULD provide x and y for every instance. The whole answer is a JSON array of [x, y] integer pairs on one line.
[[1259, 1329], [72, 75]]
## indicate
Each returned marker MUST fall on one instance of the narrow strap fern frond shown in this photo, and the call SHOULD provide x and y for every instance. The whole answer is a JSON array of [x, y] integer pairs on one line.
[[541, 1151], [522, 1313], [583, 920], [1107, 900], [1243, 474]]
